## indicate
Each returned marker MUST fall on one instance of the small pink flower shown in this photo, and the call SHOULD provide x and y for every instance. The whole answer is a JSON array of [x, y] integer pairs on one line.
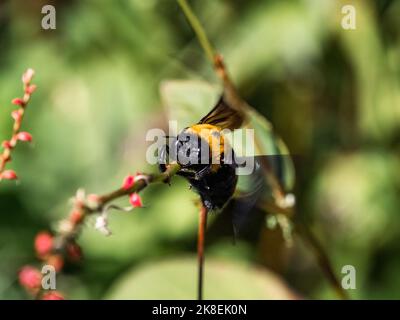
[[30, 278], [28, 75], [16, 115], [93, 197], [135, 200], [53, 295], [18, 101], [128, 183], [30, 89], [92, 200], [8, 175], [24, 136], [43, 243], [6, 144]]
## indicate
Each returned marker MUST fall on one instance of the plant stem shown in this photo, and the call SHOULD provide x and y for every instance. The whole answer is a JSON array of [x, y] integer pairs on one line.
[[200, 250], [83, 209], [10, 145], [322, 258], [307, 236], [138, 186], [172, 169], [198, 29]]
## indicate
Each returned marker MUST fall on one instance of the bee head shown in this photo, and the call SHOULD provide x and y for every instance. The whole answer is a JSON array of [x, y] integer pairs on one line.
[[189, 148]]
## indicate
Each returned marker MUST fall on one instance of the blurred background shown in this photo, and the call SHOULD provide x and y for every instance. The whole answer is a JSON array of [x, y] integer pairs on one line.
[[333, 95]]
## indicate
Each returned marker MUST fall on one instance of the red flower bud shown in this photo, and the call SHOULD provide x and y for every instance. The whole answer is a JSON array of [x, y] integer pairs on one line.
[[53, 295], [30, 278], [24, 136], [28, 75], [92, 200], [8, 175], [16, 115], [74, 252], [129, 181], [56, 261], [18, 101], [135, 200], [76, 216], [30, 89], [6, 144], [43, 243]]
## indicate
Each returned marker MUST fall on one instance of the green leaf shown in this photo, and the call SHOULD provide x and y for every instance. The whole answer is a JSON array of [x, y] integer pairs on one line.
[[187, 101], [269, 144], [176, 279]]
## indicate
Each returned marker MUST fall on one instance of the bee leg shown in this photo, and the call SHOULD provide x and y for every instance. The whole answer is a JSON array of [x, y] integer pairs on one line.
[[202, 173], [187, 173], [196, 175]]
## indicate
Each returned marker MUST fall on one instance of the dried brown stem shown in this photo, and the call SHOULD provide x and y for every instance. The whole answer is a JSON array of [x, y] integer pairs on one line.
[[200, 250]]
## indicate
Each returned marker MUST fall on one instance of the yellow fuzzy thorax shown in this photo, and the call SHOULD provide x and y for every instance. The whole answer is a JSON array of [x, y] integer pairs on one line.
[[213, 136]]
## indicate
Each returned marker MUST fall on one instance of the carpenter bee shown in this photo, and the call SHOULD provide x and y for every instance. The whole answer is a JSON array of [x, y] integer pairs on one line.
[[206, 158], [210, 165]]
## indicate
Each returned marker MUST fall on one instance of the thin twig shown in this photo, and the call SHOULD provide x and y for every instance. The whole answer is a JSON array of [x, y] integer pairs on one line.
[[84, 206], [171, 170], [322, 258], [90, 206], [306, 235], [198, 29], [200, 249]]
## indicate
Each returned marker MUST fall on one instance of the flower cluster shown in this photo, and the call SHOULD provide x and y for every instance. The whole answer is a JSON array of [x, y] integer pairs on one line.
[[31, 279], [17, 135], [128, 183], [56, 249], [47, 251], [134, 199]]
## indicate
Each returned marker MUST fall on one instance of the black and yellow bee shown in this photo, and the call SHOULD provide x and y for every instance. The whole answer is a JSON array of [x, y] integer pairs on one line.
[[214, 179], [210, 165]]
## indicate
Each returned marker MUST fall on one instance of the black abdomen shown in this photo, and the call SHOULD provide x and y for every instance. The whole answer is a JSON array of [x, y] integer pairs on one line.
[[215, 189]]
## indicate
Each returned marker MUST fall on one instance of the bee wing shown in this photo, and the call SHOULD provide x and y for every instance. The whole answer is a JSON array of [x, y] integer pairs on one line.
[[242, 217], [250, 190], [224, 116]]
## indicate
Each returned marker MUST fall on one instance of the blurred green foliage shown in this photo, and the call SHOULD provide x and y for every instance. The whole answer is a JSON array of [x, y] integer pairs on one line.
[[333, 95]]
